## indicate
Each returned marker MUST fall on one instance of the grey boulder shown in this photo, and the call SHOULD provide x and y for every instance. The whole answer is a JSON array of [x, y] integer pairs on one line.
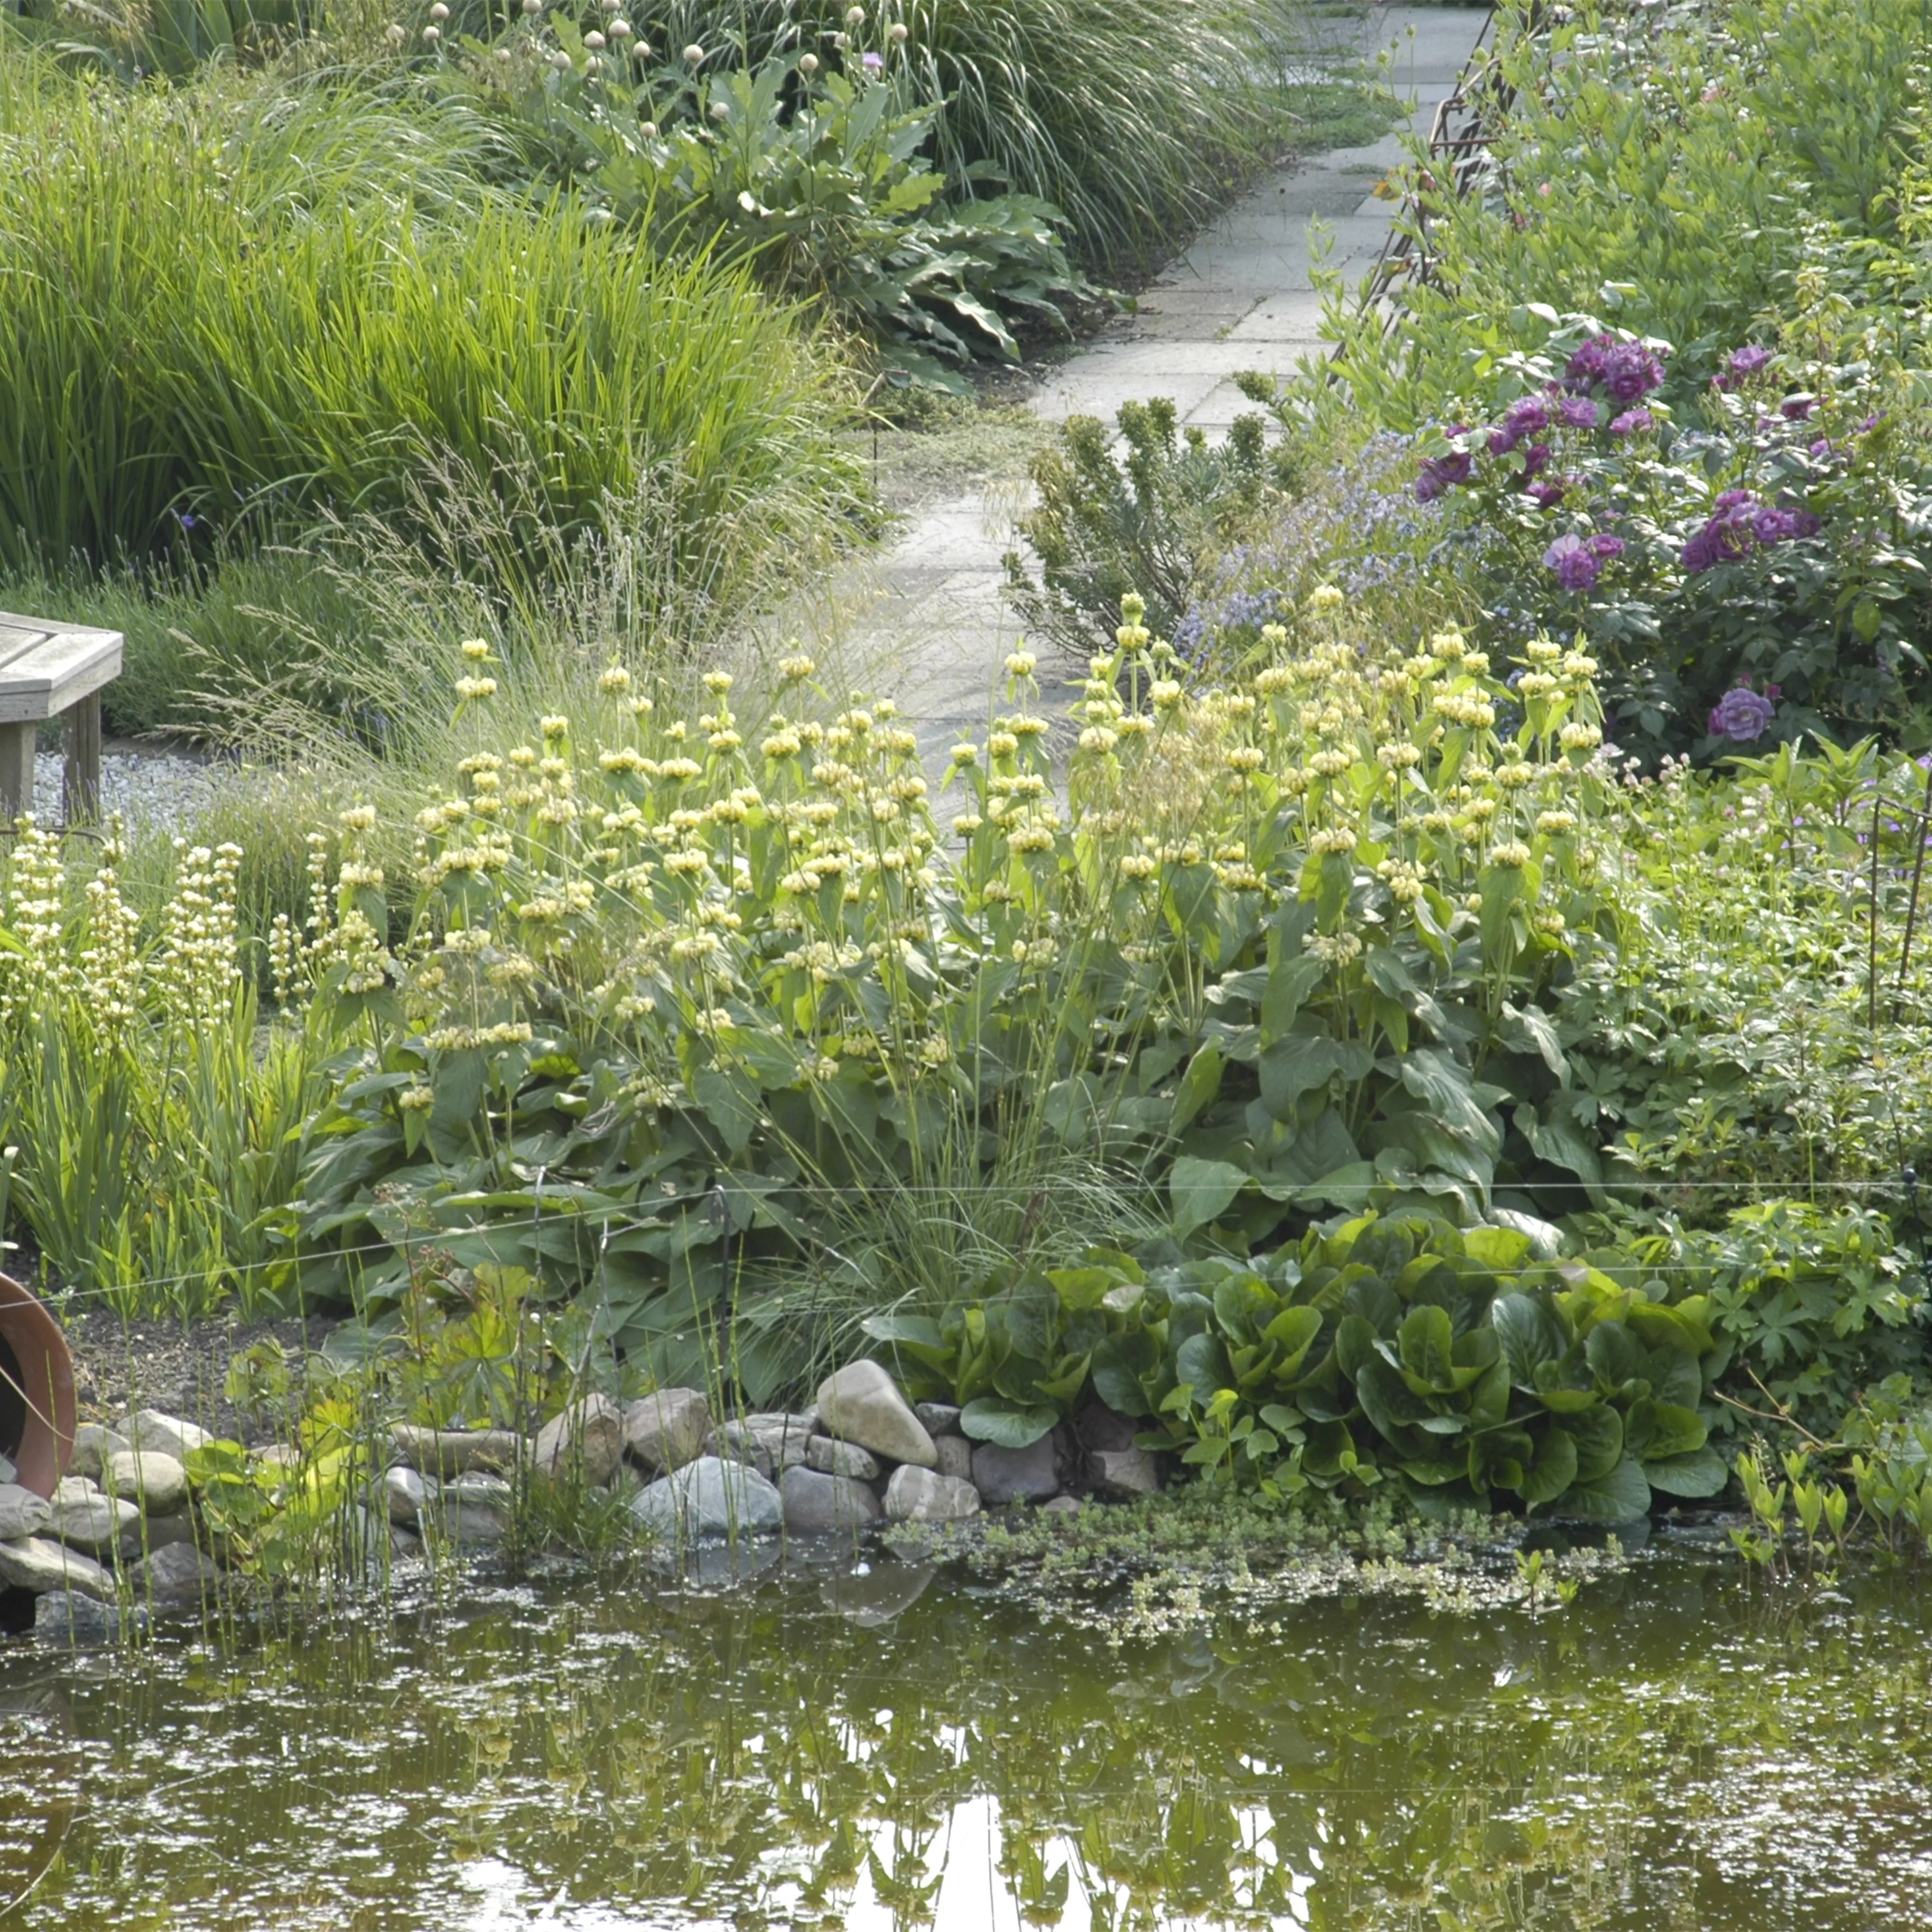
[[831, 1457], [94, 1442], [666, 1429], [708, 1498], [818, 1504], [473, 1509], [38, 1563], [151, 1479], [176, 1575], [923, 1495], [1123, 1472], [588, 1436], [68, 1620], [861, 1403], [21, 1513], [938, 1418], [92, 1522], [1003, 1475], [165, 1435], [954, 1455]]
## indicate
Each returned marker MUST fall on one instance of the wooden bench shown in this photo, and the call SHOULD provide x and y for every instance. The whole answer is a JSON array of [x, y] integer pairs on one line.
[[52, 670]]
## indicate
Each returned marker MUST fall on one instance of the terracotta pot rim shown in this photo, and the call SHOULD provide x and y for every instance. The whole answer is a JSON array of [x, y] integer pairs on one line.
[[36, 1338]]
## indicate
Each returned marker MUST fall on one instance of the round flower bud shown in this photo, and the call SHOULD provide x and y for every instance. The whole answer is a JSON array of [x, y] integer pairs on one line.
[[595, 41], [721, 111], [438, 12], [532, 6], [649, 130], [503, 53], [431, 35], [693, 53], [620, 30], [808, 63], [395, 36], [561, 62], [898, 33]]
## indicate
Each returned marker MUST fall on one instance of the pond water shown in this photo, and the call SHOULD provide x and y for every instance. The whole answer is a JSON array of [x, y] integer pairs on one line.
[[874, 1747]]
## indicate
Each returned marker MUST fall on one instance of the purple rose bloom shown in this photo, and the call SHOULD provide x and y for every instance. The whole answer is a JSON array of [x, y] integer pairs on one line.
[[1632, 422], [1574, 563], [1704, 551], [1547, 494], [1742, 714], [1822, 448], [1577, 413], [1534, 459], [1631, 371], [1797, 409], [1586, 368], [1439, 473], [1749, 362], [1771, 526], [1604, 546], [1734, 500], [1806, 522]]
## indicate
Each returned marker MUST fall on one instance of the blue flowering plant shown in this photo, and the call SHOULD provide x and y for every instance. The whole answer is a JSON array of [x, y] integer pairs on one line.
[[1749, 566]]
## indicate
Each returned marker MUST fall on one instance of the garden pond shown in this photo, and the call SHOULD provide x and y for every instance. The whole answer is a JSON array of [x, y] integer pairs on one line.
[[879, 1745]]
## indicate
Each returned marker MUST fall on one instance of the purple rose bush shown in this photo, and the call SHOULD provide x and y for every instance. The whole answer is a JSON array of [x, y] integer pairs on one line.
[[1732, 557]]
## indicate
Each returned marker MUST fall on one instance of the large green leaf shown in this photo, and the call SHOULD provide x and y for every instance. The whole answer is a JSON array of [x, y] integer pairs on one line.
[[1199, 1190], [1426, 1342], [1293, 1331], [1598, 1434], [1701, 1473], [1620, 1496], [1658, 1430], [1012, 1425], [1555, 1468], [1532, 1333]]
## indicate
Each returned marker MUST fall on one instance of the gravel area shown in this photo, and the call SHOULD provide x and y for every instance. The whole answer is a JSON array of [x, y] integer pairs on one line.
[[121, 1366], [146, 788]]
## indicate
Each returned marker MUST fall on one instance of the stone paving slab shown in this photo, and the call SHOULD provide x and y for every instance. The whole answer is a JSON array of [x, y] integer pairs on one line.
[[1241, 298]]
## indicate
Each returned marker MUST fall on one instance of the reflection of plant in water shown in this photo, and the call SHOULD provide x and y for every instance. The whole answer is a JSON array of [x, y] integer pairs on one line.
[[756, 1759]]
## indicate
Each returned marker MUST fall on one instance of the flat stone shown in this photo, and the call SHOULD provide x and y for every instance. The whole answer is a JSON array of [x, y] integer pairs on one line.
[[827, 1454], [708, 1498], [175, 1575], [588, 1436], [167, 1434], [954, 1455], [861, 1403], [39, 1564], [1003, 1475], [75, 1490], [1124, 1472], [21, 1513], [406, 1492], [1061, 1506], [735, 1443], [818, 1504], [64, 1619], [938, 1418], [923, 1495], [94, 1442], [666, 1430], [280, 1456], [450, 1452], [93, 1523], [155, 1481]]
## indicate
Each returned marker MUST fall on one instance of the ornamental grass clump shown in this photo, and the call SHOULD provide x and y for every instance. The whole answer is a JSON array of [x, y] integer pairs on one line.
[[681, 1006]]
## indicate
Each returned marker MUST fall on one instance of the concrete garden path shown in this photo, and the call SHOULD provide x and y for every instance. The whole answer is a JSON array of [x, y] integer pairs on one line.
[[1241, 298]]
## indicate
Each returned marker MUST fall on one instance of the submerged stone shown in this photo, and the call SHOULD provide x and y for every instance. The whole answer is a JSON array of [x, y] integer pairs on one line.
[[176, 1575]]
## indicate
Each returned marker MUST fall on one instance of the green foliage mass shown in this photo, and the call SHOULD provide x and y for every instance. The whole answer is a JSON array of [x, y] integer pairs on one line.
[[209, 320], [1384, 1347]]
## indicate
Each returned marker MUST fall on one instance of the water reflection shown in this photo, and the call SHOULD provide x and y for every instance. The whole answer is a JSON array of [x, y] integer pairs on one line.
[[875, 1749]]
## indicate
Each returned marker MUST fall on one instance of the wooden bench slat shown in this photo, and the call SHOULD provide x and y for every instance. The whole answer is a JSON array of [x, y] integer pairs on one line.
[[53, 669]]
